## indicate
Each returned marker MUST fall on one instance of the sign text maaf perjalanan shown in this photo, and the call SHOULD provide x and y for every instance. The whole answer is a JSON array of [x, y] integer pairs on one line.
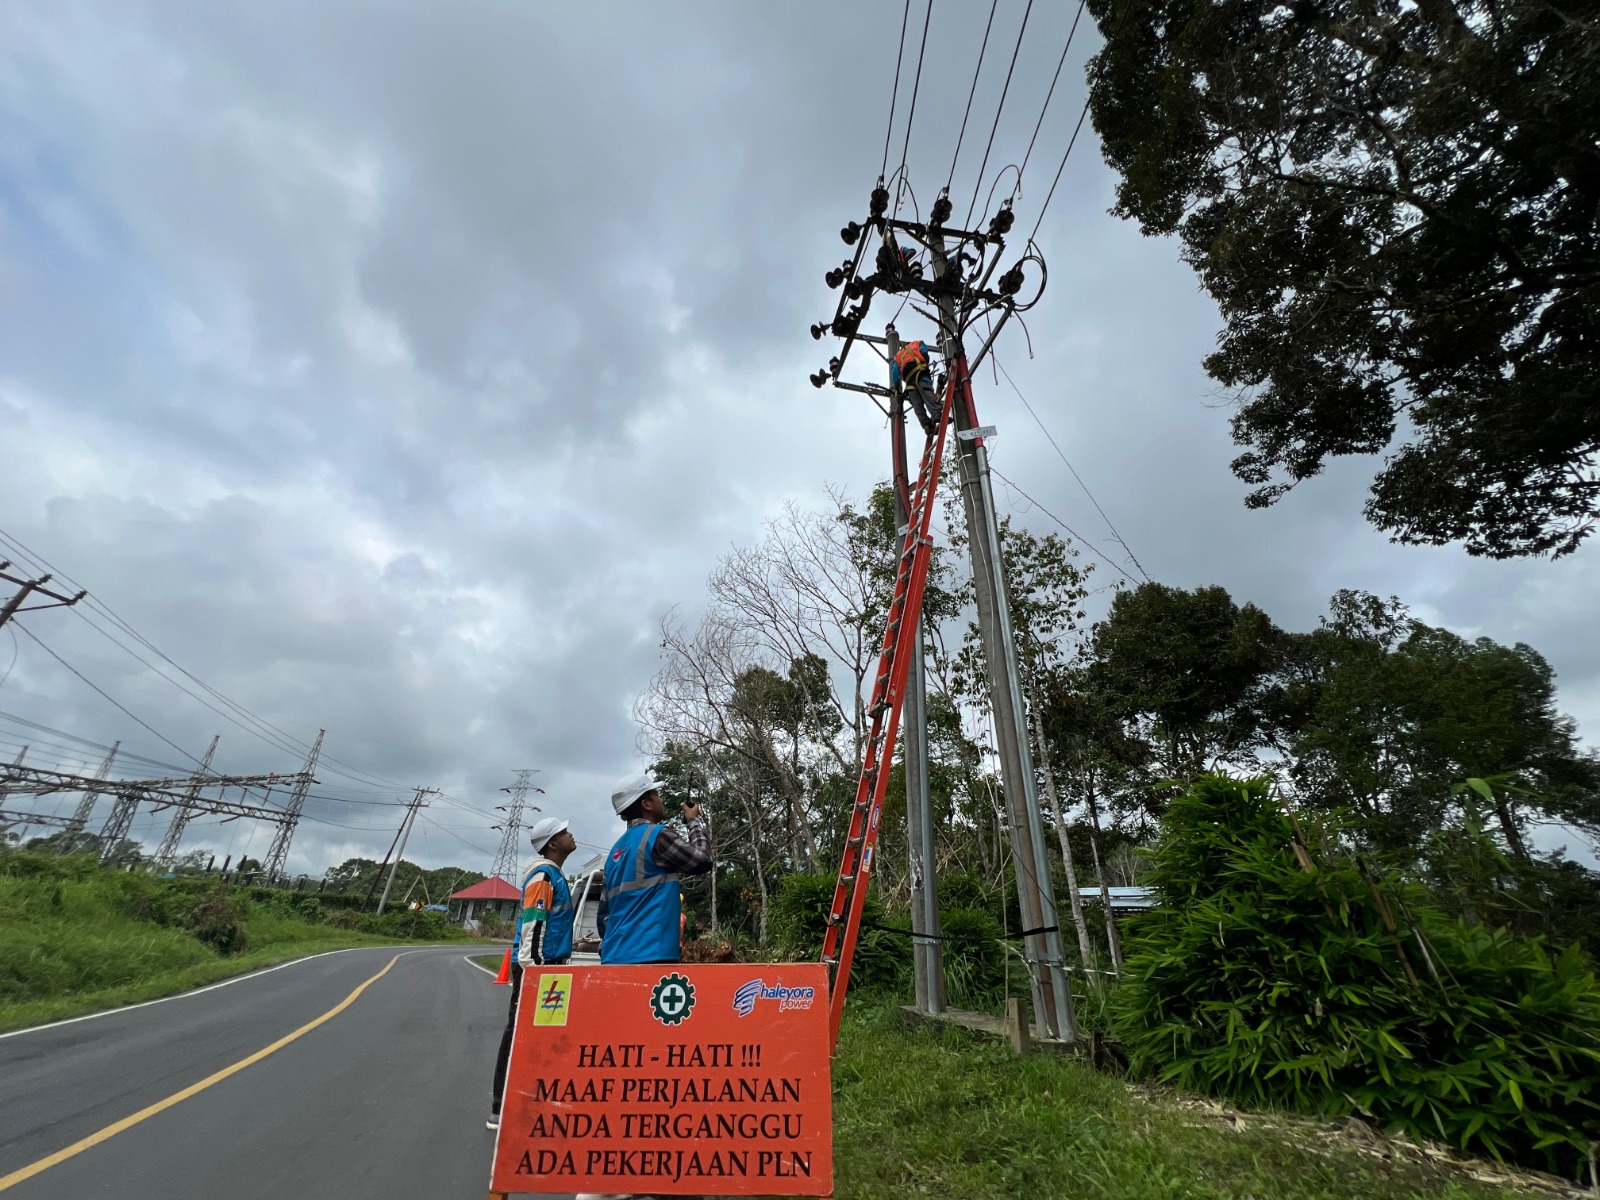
[[690, 1079]]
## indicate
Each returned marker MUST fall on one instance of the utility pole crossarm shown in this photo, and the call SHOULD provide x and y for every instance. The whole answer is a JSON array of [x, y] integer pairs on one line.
[[32, 587]]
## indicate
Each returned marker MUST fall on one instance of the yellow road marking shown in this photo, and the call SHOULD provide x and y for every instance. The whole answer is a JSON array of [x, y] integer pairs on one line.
[[116, 1127]]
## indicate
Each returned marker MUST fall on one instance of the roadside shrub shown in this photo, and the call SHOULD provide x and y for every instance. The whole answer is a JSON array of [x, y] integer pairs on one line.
[[491, 926], [704, 950], [1318, 989], [797, 923], [218, 920], [417, 924], [797, 915]]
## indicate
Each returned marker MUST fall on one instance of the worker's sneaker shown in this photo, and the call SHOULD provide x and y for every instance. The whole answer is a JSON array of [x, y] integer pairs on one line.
[[493, 1122]]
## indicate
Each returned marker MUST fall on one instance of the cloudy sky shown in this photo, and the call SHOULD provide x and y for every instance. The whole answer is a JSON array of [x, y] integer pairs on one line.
[[393, 368]]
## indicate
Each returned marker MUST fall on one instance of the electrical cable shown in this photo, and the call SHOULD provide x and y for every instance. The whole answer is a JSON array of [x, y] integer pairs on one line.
[[994, 4], [998, 110], [894, 96], [1078, 537], [457, 836], [1053, 79], [16, 648], [106, 695], [283, 740], [911, 114], [1134, 558], [1076, 129]]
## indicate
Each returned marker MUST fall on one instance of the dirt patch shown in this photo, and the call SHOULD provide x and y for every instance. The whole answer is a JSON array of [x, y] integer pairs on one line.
[[1345, 1134]]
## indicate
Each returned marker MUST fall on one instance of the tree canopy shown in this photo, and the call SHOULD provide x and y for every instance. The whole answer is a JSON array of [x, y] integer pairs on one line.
[[1396, 206]]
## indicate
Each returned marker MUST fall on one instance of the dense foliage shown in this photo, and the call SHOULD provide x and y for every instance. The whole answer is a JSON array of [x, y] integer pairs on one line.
[[1279, 970], [1396, 207]]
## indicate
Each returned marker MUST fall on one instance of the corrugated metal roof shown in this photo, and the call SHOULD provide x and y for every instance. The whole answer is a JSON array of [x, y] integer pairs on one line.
[[489, 889]]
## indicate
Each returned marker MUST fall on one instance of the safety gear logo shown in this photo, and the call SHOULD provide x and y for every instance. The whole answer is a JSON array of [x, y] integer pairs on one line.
[[672, 1000]]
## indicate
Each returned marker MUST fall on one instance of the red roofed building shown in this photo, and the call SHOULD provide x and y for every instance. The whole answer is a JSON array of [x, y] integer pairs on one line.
[[493, 897]]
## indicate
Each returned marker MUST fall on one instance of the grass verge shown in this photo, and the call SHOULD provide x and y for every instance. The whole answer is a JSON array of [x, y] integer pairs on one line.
[[172, 980], [77, 938], [944, 1113]]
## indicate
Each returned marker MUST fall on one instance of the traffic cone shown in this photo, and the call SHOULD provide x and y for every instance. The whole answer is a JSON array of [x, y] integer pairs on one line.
[[505, 969]]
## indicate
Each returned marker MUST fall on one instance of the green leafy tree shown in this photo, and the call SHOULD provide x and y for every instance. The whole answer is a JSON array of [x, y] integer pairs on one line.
[[1386, 715], [1191, 673], [1396, 207]]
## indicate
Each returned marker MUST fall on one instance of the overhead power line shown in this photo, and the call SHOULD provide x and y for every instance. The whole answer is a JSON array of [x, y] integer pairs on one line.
[[911, 115], [246, 720], [1076, 536], [145, 725], [1068, 463], [1076, 129], [894, 95], [1000, 108], [1054, 79], [976, 71]]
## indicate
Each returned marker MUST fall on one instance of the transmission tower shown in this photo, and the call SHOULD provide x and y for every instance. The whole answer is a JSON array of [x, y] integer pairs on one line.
[[278, 853], [80, 817], [510, 855], [167, 852]]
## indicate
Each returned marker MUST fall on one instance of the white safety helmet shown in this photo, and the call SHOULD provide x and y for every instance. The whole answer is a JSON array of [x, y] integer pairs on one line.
[[630, 789], [544, 829]]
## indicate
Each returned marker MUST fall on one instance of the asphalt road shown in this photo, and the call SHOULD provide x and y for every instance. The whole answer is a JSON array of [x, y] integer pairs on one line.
[[385, 1098]]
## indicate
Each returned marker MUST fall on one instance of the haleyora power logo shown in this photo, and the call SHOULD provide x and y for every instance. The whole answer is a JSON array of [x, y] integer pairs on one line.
[[788, 998]]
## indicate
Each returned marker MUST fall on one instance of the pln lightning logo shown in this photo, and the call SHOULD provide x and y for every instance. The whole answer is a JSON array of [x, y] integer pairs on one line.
[[789, 998]]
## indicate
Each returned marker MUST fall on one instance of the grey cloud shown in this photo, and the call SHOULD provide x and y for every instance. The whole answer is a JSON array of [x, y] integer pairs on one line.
[[396, 367]]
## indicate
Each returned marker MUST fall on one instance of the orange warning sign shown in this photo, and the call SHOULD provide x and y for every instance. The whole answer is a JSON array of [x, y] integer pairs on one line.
[[676, 1079]]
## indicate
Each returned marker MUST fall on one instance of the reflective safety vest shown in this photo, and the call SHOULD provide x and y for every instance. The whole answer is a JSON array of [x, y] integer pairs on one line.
[[911, 364], [643, 902], [557, 942]]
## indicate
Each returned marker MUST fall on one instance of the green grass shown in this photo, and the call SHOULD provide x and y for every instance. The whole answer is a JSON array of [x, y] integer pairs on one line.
[[944, 1113], [75, 938], [152, 981]]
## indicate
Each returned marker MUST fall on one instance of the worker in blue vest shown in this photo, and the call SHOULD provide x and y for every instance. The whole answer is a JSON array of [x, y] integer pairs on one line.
[[639, 915], [544, 930]]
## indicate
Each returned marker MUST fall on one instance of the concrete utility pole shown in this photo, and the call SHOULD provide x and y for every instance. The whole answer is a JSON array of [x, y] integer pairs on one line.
[[1043, 947], [417, 803], [927, 951], [29, 587], [167, 852], [272, 870], [509, 858], [85, 809]]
